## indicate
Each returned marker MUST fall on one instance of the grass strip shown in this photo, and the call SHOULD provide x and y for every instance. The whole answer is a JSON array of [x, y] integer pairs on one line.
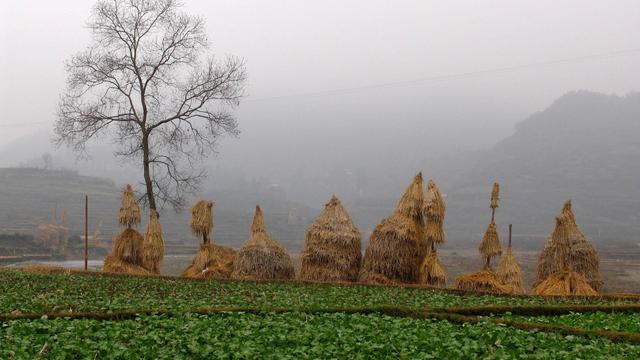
[[539, 309]]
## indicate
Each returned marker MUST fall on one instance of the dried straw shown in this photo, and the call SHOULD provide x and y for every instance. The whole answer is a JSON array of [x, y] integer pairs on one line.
[[261, 257], [484, 280], [397, 246], [490, 244], [202, 219], [432, 272], [434, 211], [565, 282], [126, 254], [573, 248], [129, 214], [332, 246], [113, 264], [508, 271], [153, 247], [211, 261], [495, 196]]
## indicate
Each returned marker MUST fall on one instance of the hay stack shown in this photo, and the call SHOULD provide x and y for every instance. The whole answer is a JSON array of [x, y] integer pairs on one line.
[[484, 280], [153, 247], [508, 271], [564, 282], [127, 253], [261, 257], [211, 261], [581, 258], [490, 244], [129, 214], [495, 196], [432, 272], [397, 246], [332, 246]]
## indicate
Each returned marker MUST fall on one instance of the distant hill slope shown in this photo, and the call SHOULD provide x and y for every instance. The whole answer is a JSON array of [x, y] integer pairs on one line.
[[28, 197], [586, 147]]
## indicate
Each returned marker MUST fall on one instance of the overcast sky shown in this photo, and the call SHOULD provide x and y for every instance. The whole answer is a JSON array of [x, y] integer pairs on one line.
[[293, 48]]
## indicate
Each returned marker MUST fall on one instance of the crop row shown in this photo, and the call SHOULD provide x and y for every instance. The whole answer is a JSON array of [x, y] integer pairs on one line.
[[620, 321], [292, 335], [38, 292]]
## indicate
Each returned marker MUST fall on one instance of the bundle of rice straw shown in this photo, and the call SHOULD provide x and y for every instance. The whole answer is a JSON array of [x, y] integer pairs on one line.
[[495, 196], [484, 280], [129, 213], [564, 282], [490, 244], [202, 219], [153, 247], [397, 246], [432, 272], [581, 258], [211, 261], [261, 257], [508, 271], [127, 253], [332, 246]]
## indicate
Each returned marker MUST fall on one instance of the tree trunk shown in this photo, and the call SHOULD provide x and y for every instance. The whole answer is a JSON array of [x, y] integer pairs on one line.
[[147, 176]]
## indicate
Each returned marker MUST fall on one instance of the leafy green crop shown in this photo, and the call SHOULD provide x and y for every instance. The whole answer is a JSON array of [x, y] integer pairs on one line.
[[36, 292], [626, 322], [293, 336]]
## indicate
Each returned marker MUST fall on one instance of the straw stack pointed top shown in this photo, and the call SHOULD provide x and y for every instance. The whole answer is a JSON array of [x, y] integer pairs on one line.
[[202, 218], [153, 246], [258, 221], [495, 196], [129, 213], [436, 203], [259, 235], [490, 245], [411, 203]]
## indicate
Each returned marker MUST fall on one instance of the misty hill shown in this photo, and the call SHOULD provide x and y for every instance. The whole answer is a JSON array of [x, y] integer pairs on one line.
[[586, 147], [29, 196]]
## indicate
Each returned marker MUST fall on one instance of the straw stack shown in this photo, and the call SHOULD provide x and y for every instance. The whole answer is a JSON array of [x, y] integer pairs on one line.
[[261, 257], [397, 246], [581, 258], [153, 246], [508, 271], [332, 246], [431, 270]]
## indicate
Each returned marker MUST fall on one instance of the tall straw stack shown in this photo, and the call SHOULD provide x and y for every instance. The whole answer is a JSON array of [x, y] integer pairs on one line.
[[153, 247], [261, 257], [431, 270], [581, 258], [508, 271], [565, 280], [332, 246], [486, 279], [397, 246], [127, 253], [211, 261], [129, 214]]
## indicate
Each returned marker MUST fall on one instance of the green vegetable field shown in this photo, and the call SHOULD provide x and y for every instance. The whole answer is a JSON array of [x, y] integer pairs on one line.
[[95, 316]]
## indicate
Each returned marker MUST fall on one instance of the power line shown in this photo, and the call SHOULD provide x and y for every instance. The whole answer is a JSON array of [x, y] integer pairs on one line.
[[448, 77]]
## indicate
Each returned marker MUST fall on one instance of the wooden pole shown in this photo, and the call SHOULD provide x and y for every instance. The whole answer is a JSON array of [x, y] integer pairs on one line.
[[86, 232], [510, 235]]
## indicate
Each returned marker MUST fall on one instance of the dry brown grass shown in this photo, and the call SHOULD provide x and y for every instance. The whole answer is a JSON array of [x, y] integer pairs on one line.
[[432, 272], [484, 280], [153, 246], [397, 246], [129, 214], [490, 244], [569, 244], [211, 261], [508, 272], [116, 265], [332, 249], [261, 257], [495, 196], [565, 282], [202, 219]]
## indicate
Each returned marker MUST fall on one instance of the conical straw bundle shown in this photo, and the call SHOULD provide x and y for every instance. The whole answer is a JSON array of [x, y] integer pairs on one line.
[[574, 248], [397, 246], [153, 247], [495, 196], [490, 244], [261, 257], [484, 280], [432, 272], [202, 219], [564, 282], [508, 272], [129, 214], [438, 206], [332, 246]]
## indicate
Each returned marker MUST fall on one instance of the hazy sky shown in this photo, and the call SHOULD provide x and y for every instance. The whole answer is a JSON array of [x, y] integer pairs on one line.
[[299, 47]]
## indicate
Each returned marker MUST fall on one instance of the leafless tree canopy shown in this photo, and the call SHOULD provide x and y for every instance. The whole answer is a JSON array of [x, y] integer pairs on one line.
[[146, 82]]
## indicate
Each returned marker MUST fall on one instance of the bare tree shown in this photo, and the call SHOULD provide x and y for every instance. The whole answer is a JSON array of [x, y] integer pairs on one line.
[[146, 83]]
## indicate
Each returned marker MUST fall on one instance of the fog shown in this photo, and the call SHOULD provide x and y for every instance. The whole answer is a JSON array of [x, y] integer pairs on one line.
[[381, 87]]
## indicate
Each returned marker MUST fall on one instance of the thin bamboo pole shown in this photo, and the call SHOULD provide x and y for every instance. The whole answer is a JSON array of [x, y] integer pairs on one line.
[[86, 232]]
